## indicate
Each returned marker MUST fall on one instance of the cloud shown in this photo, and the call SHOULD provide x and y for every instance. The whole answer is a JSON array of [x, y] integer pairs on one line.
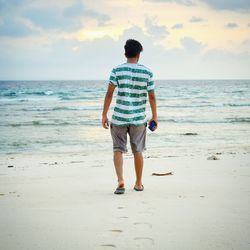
[[51, 19], [231, 25], [177, 26], [67, 16], [14, 28], [196, 19], [228, 4], [78, 10], [190, 45], [69, 59], [246, 45], [157, 31], [183, 2], [6, 5], [12, 25], [248, 25]]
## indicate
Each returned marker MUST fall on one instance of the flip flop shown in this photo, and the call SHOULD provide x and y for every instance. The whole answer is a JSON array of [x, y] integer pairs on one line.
[[139, 189], [120, 190]]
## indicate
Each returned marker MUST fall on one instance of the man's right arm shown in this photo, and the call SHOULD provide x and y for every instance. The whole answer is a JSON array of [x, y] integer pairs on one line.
[[152, 101], [107, 101]]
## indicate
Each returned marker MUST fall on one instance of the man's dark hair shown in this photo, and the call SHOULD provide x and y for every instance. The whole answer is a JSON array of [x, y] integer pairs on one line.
[[132, 48]]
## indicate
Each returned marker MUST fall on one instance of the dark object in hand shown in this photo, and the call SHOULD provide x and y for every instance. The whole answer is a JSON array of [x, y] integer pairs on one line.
[[152, 125]]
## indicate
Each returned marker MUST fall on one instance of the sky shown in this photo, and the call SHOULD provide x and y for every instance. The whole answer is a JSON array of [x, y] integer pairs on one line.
[[84, 39]]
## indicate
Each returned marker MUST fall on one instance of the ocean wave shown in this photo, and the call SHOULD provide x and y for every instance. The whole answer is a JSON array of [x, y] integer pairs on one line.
[[237, 104], [67, 94], [190, 106], [94, 122], [39, 93], [200, 105], [63, 108], [17, 93], [38, 123], [11, 93], [72, 98], [225, 120], [238, 119]]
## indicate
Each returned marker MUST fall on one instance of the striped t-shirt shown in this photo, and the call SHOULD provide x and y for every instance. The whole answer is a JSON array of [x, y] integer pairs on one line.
[[134, 81]]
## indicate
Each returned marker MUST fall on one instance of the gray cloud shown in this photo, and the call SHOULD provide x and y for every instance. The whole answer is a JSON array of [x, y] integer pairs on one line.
[[177, 26], [57, 60], [7, 5], [248, 25], [157, 31], [48, 18], [12, 27], [78, 10], [183, 2], [228, 4], [67, 17], [190, 45], [231, 25], [196, 19]]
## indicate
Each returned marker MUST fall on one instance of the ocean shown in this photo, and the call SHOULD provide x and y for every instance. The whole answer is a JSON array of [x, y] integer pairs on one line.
[[65, 116]]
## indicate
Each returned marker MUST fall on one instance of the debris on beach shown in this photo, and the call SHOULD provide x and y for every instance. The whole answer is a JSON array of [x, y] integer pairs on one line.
[[76, 161], [189, 133], [10, 166], [116, 230], [54, 163], [213, 157], [108, 245], [162, 174]]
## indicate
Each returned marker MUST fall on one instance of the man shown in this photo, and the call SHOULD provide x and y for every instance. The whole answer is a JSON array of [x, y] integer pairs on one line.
[[134, 82]]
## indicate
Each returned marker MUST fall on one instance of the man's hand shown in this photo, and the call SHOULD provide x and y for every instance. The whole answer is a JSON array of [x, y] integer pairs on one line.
[[154, 119], [105, 122]]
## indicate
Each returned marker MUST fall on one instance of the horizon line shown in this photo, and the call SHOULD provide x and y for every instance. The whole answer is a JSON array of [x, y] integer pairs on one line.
[[174, 79]]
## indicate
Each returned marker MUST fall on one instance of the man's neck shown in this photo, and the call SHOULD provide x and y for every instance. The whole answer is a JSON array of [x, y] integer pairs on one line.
[[132, 60]]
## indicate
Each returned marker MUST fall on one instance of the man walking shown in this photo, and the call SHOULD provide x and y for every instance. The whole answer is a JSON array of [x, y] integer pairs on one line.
[[134, 82]]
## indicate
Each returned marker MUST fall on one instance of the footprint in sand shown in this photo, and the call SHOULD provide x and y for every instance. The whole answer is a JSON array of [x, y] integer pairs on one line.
[[97, 166], [145, 239], [123, 217]]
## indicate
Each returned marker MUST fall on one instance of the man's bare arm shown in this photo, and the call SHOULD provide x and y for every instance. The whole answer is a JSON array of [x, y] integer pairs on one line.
[[107, 101], [152, 101]]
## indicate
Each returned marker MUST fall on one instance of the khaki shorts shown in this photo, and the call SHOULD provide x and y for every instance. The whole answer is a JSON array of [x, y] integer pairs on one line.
[[137, 135]]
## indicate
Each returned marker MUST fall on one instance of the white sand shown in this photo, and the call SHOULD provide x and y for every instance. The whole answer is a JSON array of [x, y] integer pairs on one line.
[[70, 205]]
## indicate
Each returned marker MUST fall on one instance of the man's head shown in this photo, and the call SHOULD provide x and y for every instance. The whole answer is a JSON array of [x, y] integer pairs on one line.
[[133, 49]]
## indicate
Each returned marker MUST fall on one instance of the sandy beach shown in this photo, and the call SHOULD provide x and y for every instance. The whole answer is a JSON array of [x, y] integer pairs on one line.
[[73, 73], [66, 201]]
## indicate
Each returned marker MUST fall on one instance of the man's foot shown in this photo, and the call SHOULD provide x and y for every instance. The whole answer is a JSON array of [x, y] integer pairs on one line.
[[139, 188], [120, 189]]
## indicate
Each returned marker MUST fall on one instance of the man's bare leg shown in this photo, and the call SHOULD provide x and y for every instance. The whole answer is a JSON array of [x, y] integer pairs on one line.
[[138, 161], [118, 162]]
